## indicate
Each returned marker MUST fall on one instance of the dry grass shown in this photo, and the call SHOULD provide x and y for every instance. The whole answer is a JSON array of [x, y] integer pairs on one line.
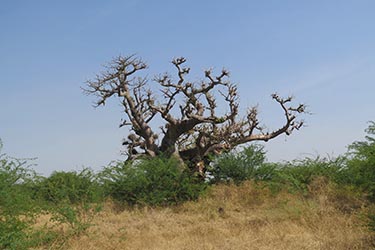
[[230, 217]]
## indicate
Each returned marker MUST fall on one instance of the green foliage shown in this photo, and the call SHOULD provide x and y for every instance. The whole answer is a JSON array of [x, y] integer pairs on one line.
[[15, 202], [240, 166], [68, 196], [70, 187], [297, 175], [77, 217], [73, 198], [360, 170], [13, 233], [15, 178], [156, 181]]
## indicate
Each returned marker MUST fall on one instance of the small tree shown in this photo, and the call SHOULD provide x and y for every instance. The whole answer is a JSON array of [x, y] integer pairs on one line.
[[193, 128]]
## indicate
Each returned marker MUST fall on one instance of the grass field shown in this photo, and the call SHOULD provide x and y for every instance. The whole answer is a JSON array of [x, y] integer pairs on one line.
[[248, 216], [247, 204]]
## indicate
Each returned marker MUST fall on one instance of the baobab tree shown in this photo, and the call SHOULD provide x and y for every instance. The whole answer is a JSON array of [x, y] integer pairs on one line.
[[194, 126]]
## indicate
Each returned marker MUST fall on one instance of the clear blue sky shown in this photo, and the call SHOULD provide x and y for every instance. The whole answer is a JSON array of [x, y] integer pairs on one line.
[[323, 52]]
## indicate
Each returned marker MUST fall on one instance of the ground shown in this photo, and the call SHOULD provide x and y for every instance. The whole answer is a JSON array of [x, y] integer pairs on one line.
[[248, 216]]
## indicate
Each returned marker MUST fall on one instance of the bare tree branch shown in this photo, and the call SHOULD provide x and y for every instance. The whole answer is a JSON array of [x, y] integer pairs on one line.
[[193, 127]]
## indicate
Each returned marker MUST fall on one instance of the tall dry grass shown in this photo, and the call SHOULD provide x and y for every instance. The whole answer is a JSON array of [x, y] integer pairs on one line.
[[235, 217]]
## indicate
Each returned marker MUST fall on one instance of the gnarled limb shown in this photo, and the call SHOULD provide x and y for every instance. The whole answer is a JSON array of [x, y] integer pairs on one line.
[[193, 127], [119, 80]]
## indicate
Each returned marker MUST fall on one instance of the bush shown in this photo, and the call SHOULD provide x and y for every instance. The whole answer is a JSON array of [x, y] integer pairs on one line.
[[297, 175], [72, 198], [156, 181], [15, 202], [70, 187], [240, 166], [360, 170]]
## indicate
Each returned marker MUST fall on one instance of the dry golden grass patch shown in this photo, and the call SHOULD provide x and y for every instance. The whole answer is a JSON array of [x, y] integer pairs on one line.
[[231, 217]]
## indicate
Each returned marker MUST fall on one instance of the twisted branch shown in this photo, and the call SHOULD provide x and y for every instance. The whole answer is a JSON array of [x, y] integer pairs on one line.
[[192, 126]]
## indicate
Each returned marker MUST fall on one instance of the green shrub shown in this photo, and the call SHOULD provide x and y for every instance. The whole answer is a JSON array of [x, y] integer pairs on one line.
[[17, 208], [297, 175], [72, 198], [156, 181], [13, 233], [240, 166], [78, 218], [360, 169], [70, 187]]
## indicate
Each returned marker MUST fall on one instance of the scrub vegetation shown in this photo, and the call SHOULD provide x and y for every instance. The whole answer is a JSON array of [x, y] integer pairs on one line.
[[244, 202]]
